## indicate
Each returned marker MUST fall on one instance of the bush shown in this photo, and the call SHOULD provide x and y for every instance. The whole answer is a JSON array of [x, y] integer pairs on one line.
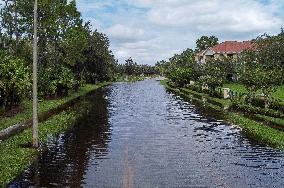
[[181, 76], [56, 81], [277, 105], [196, 88], [216, 94], [15, 80], [213, 74], [260, 102], [256, 101], [256, 110]]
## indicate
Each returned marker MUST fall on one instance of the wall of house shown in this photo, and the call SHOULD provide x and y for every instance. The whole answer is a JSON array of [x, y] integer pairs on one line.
[[209, 54]]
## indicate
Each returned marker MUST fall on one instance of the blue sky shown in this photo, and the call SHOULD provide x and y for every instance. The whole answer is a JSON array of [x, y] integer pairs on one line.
[[152, 30]]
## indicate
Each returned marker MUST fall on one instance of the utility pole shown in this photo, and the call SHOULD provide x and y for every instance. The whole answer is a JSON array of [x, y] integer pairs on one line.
[[35, 102], [1, 22], [16, 27]]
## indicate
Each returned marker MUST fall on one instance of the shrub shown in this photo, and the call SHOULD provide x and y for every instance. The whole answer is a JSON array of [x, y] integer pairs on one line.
[[260, 102], [213, 74], [15, 80], [196, 88], [181, 76], [216, 94], [55, 81], [255, 110], [277, 105]]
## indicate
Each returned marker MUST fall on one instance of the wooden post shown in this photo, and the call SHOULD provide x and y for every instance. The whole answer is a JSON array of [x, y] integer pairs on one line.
[[35, 102]]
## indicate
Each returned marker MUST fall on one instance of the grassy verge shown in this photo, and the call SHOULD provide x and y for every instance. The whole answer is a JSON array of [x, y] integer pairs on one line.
[[220, 102], [255, 130], [45, 105], [258, 131], [276, 121], [14, 158], [278, 94]]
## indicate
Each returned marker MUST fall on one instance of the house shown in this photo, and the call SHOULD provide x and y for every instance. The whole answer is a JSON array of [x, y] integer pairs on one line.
[[229, 49]]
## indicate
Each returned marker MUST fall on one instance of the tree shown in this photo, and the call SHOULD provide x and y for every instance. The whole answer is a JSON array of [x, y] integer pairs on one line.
[[257, 77], [213, 74], [262, 67], [15, 81], [205, 42], [69, 52], [182, 76]]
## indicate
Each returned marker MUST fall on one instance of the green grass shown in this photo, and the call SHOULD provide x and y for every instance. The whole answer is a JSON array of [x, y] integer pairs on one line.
[[255, 130], [45, 105], [258, 131], [278, 94], [276, 121], [222, 102], [14, 159], [236, 87]]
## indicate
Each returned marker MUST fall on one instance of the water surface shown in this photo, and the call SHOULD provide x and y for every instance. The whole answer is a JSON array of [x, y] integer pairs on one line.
[[140, 135]]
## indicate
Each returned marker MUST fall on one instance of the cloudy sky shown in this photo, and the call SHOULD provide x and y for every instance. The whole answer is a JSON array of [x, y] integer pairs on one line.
[[152, 30]]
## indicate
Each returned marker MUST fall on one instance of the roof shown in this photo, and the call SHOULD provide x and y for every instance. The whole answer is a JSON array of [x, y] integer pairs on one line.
[[201, 52], [232, 47]]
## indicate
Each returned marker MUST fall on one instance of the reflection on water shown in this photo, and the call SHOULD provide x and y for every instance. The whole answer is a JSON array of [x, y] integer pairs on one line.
[[140, 135]]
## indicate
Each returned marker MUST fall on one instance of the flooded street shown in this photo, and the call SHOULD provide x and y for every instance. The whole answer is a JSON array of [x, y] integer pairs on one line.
[[140, 135]]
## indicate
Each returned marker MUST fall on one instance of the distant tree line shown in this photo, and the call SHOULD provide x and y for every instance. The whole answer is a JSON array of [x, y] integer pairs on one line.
[[260, 69], [70, 52], [132, 68]]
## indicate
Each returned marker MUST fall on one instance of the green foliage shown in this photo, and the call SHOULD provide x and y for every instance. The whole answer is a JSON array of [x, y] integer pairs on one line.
[[253, 129], [100, 63], [239, 106], [70, 53], [182, 76], [258, 131], [274, 121], [45, 105], [55, 80], [262, 67], [178, 65], [279, 93], [131, 68], [213, 74], [258, 77], [236, 87], [15, 80], [205, 42], [14, 159]]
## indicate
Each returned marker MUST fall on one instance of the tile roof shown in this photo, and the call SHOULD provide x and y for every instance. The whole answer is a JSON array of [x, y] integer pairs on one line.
[[232, 47]]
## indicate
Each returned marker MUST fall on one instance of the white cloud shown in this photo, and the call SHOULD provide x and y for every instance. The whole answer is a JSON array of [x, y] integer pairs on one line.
[[151, 30], [126, 33], [216, 15]]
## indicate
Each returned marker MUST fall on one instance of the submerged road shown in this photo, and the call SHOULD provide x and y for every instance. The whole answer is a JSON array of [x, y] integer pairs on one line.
[[140, 135]]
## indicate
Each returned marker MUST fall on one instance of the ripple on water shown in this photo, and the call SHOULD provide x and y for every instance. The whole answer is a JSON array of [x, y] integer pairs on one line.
[[144, 135]]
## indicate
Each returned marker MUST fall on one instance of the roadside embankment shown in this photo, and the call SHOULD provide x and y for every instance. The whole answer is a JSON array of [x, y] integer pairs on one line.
[[47, 108], [265, 131], [16, 153]]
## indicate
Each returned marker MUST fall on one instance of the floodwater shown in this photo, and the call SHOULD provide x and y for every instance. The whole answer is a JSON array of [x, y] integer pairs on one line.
[[140, 135]]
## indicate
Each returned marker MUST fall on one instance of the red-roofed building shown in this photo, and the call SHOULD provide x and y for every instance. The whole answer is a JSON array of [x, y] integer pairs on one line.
[[230, 49]]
